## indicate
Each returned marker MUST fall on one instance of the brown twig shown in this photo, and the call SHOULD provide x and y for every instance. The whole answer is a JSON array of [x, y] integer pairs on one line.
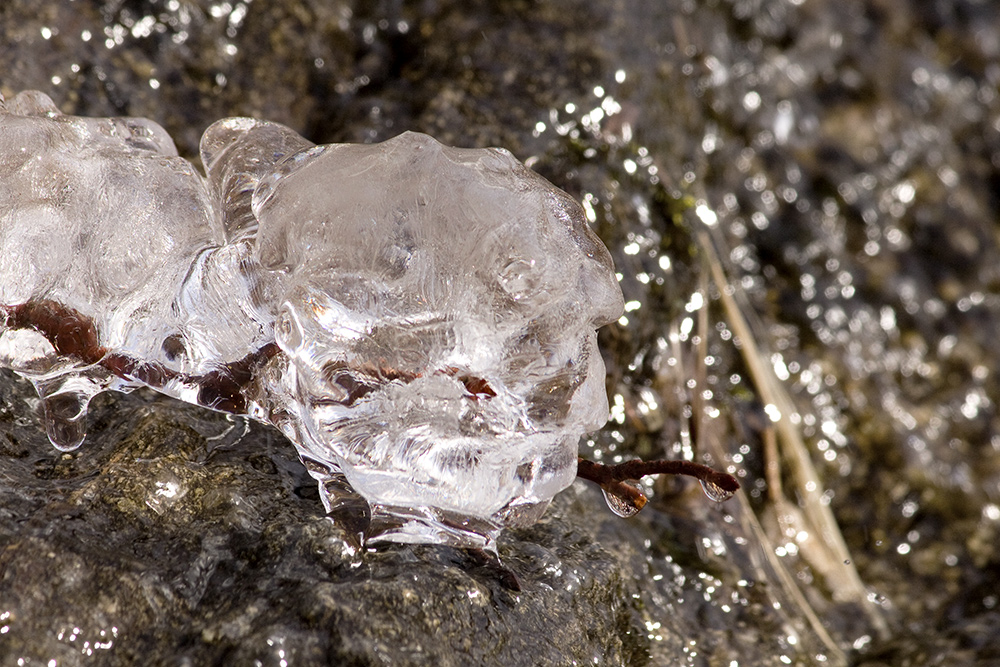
[[613, 478], [73, 334]]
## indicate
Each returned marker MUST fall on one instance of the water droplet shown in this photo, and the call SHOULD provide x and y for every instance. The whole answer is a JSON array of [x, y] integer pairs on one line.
[[715, 492], [65, 416], [623, 507]]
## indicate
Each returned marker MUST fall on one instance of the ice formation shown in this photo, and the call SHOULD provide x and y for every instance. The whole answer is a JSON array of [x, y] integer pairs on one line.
[[419, 320]]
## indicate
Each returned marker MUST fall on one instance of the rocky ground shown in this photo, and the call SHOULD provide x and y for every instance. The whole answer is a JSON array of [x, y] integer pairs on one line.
[[802, 200]]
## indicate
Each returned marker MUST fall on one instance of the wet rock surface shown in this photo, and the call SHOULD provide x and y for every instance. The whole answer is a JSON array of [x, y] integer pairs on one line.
[[840, 158]]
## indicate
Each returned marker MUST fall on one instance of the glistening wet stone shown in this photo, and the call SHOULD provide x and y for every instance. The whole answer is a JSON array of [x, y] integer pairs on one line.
[[847, 151]]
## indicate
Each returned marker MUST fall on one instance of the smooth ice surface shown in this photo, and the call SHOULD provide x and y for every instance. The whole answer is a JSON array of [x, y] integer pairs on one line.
[[418, 319]]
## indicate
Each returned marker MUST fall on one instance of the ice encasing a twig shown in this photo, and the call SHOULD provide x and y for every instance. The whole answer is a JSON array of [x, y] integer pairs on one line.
[[418, 319]]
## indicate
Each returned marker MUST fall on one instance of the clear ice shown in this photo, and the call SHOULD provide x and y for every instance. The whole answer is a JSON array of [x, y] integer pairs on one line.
[[418, 320]]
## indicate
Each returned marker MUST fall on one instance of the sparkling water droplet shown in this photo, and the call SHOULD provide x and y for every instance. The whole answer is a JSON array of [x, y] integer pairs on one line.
[[65, 417], [715, 492], [623, 507]]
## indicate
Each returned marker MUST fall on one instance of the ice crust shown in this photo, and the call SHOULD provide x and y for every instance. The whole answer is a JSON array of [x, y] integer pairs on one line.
[[419, 320]]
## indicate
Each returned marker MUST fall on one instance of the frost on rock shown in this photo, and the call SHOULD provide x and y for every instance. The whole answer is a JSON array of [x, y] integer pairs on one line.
[[419, 320]]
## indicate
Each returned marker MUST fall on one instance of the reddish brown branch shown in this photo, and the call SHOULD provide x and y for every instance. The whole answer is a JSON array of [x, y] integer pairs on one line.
[[612, 478], [73, 334], [637, 469]]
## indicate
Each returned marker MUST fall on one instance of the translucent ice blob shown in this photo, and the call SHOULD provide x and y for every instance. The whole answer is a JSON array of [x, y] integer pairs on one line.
[[419, 320]]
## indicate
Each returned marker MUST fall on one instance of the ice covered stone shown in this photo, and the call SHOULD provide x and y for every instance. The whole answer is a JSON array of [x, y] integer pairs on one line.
[[419, 320]]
